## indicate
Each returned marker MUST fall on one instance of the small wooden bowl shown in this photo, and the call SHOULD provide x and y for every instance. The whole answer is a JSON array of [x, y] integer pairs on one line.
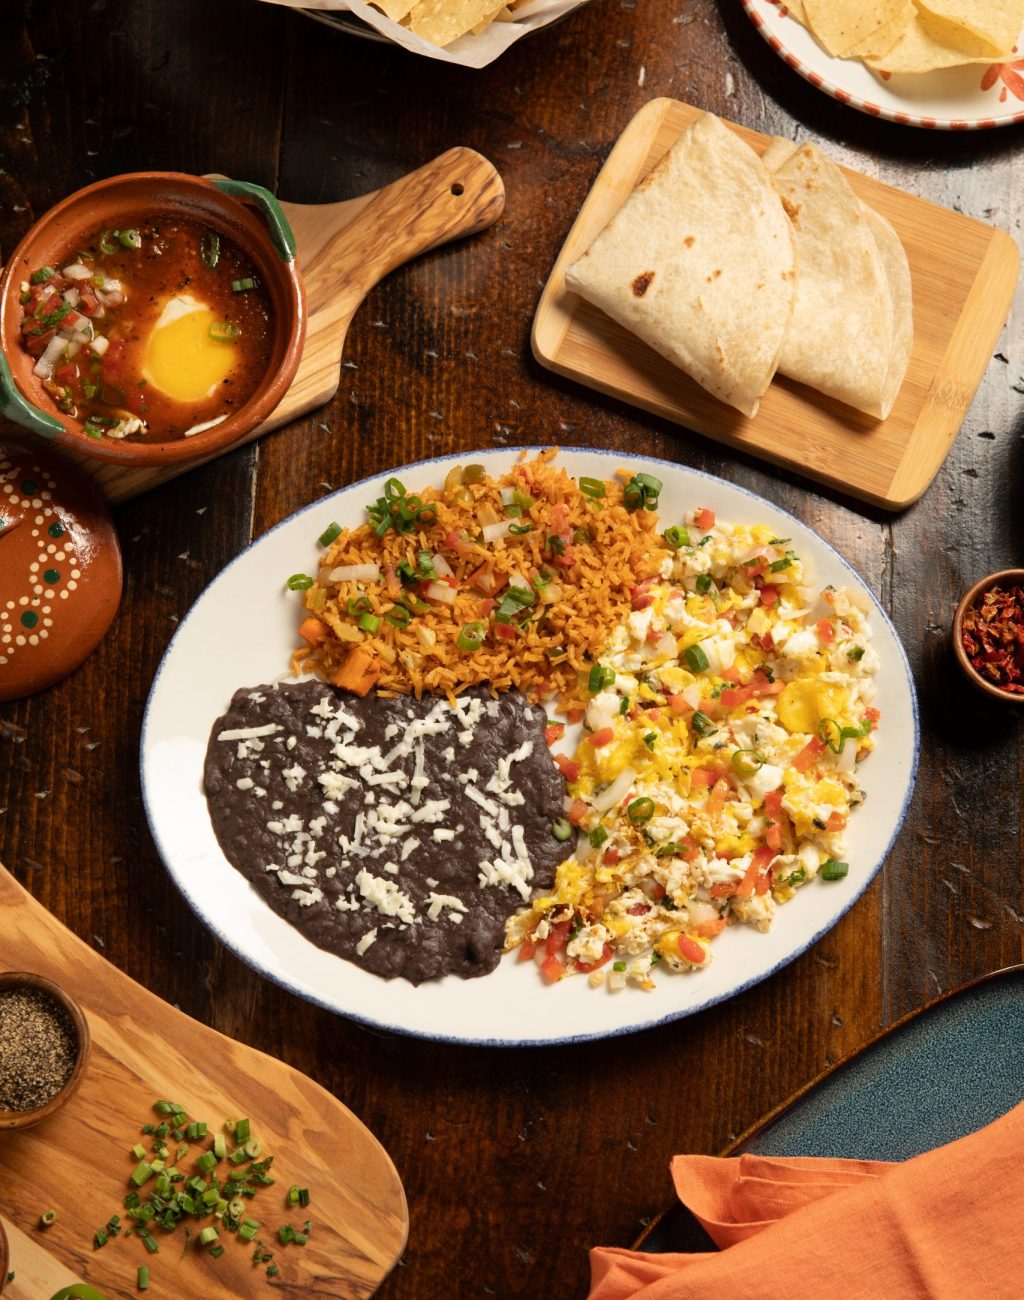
[[15, 1119], [248, 214], [5, 1258], [1002, 578]]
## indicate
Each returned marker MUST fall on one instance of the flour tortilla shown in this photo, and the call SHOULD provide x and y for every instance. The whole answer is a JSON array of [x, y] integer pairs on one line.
[[850, 334], [700, 262]]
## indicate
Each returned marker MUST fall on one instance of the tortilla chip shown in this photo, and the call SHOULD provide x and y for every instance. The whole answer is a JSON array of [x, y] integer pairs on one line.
[[885, 37], [394, 9], [841, 24], [841, 338], [700, 263], [443, 21], [795, 9], [928, 44], [995, 23]]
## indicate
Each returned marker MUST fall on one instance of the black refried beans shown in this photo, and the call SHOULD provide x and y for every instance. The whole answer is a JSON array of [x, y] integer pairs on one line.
[[399, 834]]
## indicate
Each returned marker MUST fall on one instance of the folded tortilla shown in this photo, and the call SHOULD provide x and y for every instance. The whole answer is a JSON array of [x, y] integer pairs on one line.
[[700, 263], [852, 328]]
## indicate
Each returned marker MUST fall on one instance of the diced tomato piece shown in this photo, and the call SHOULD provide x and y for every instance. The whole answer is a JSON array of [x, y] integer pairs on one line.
[[708, 929], [719, 794], [72, 318], [704, 518], [527, 948], [809, 755], [569, 768], [678, 705], [726, 889], [37, 343], [731, 698], [690, 950], [773, 836], [604, 736], [66, 374], [701, 778], [552, 969], [456, 542], [505, 631], [773, 803], [585, 967], [873, 716], [574, 715], [656, 891], [731, 674], [558, 937], [638, 909], [484, 579], [836, 822], [554, 731], [762, 686], [487, 607], [611, 856], [825, 630], [769, 596], [640, 595], [578, 811], [88, 302]]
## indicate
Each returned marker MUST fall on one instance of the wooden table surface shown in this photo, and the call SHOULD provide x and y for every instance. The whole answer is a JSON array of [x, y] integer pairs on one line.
[[515, 1162]]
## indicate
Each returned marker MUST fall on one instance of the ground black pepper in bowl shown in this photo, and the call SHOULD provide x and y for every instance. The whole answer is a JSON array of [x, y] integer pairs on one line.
[[38, 1048]]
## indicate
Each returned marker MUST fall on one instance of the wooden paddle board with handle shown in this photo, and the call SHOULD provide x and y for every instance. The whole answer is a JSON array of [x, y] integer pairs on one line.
[[343, 251], [964, 274], [78, 1161]]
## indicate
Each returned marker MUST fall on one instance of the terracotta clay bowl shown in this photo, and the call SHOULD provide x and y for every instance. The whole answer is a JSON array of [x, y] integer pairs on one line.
[[1002, 578], [17, 1119], [248, 214], [5, 1258]]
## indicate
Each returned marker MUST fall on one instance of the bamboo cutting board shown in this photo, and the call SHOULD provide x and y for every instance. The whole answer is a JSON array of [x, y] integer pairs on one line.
[[78, 1161], [343, 251], [964, 274]]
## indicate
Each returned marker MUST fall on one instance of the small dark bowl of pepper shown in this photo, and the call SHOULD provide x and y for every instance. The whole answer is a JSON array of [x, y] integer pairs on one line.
[[46, 1046], [988, 635]]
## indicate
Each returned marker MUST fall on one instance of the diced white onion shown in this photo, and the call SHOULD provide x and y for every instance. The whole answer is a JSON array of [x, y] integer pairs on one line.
[[492, 532], [54, 350], [506, 495], [441, 566], [427, 635], [201, 428], [692, 696], [517, 580], [550, 594], [76, 271], [618, 789], [73, 348], [355, 573], [99, 345], [71, 296], [441, 591]]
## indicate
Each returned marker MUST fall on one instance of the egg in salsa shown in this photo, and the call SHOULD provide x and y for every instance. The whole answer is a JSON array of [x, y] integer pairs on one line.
[[149, 332]]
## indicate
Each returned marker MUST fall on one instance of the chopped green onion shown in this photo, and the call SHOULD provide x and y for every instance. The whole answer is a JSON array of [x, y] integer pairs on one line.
[[224, 331], [143, 1278], [299, 582], [209, 248], [745, 762], [624, 705], [141, 1173], [285, 1234], [253, 1148], [786, 562], [331, 533], [856, 653], [425, 564], [832, 734], [642, 492], [833, 870], [701, 723], [650, 738], [248, 1229], [206, 1162], [592, 487], [100, 1238], [796, 877], [129, 238], [640, 811], [369, 623], [208, 1234], [696, 659], [300, 1238], [244, 285], [561, 829], [520, 530], [676, 537], [42, 275], [704, 583], [598, 836], [398, 615], [471, 637], [107, 241], [48, 1218], [220, 1146], [618, 965], [599, 678], [216, 1251]]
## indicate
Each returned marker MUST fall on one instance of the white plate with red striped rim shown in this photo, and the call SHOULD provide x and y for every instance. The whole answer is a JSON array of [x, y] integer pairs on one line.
[[212, 655], [953, 99]]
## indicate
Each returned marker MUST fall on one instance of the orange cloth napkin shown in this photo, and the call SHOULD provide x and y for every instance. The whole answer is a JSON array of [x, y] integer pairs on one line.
[[947, 1225]]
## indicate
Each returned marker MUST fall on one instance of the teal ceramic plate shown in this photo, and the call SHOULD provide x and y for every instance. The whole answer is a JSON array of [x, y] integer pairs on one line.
[[939, 1074]]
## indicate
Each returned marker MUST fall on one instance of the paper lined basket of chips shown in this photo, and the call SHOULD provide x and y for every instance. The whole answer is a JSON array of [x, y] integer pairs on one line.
[[472, 33]]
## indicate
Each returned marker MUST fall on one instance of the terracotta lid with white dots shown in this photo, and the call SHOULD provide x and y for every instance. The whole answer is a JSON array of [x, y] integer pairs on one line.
[[60, 568]]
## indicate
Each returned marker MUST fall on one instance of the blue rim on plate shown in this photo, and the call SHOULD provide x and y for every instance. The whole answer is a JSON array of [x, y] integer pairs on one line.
[[373, 1017], [943, 1071]]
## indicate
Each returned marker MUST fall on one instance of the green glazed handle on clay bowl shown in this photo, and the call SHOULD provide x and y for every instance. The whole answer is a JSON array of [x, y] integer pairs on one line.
[[19, 409], [277, 223], [78, 1292]]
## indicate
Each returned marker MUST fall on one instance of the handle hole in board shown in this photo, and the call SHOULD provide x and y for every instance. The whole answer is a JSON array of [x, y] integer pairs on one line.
[[458, 189]]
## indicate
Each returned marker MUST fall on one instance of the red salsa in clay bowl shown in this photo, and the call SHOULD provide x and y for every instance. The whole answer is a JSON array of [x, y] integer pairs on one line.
[[152, 318]]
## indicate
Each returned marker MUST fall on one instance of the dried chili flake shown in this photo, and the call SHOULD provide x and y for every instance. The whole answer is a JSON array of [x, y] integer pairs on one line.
[[993, 638]]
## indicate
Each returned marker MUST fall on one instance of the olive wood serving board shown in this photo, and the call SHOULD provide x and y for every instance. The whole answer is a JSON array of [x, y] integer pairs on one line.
[[964, 273], [343, 251], [78, 1160]]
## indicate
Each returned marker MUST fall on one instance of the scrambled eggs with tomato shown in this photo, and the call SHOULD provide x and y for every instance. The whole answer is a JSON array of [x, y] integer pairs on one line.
[[718, 765]]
